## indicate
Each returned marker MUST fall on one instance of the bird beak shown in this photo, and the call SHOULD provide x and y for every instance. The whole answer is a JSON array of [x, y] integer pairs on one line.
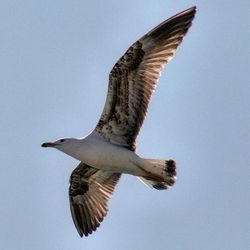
[[49, 144]]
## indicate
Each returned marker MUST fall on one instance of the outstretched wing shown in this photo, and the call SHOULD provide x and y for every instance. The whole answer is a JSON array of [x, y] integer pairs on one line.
[[89, 192], [134, 77]]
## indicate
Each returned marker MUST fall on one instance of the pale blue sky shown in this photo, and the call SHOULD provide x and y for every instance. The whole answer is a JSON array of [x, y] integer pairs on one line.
[[55, 57]]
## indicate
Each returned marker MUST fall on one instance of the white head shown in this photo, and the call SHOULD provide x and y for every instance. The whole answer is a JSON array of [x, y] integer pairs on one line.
[[66, 145]]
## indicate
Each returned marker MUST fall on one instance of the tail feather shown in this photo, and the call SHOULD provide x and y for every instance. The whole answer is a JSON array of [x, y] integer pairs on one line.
[[168, 175]]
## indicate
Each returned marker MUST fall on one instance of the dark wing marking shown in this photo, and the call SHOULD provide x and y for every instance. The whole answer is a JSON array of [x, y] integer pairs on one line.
[[89, 192], [134, 78]]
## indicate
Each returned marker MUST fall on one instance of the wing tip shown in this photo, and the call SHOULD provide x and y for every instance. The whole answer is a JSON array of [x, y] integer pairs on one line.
[[189, 10], [88, 232], [185, 17]]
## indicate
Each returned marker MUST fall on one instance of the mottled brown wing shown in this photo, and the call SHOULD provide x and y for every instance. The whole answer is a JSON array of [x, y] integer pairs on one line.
[[134, 78], [89, 192]]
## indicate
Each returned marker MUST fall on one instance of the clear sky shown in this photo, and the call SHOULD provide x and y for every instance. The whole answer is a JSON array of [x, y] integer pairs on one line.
[[55, 57]]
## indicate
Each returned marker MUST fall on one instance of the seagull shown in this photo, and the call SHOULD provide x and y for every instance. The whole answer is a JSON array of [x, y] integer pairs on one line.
[[109, 150]]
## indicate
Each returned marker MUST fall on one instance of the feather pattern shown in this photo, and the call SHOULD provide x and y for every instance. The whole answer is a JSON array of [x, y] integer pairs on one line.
[[134, 77], [89, 192]]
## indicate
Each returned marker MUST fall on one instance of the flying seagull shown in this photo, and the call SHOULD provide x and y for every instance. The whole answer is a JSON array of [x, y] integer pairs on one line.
[[109, 150]]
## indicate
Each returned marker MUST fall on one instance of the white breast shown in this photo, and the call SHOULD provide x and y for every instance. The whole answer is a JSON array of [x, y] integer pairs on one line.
[[99, 153]]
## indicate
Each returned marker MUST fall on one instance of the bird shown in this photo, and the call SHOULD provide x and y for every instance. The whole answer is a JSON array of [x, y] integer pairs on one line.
[[109, 150]]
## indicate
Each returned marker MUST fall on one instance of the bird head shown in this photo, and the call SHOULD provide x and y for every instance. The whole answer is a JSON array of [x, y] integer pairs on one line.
[[63, 144]]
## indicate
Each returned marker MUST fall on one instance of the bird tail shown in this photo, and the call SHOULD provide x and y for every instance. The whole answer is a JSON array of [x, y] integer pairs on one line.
[[168, 174]]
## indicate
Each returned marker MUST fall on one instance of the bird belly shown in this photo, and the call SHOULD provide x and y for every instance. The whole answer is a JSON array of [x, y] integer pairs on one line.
[[102, 154]]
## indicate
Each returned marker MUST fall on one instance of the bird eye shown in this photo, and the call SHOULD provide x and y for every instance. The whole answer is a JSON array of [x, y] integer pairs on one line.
[[62, 140]]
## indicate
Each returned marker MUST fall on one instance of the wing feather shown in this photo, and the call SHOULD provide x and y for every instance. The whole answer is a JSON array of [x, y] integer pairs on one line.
[[89, 192], [134, 77]]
